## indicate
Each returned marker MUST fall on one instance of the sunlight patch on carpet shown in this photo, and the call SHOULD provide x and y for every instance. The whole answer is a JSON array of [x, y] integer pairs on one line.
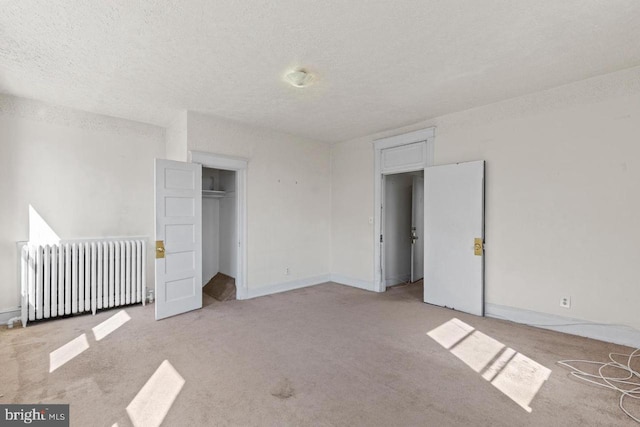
[[62, 355], [110, 325], [477, 350], [450, 333], [514, 374], [153, 401], [497, 366], [521, 379]]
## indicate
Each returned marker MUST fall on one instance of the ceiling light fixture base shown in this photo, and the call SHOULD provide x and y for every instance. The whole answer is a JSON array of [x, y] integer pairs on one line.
[[298, 78]]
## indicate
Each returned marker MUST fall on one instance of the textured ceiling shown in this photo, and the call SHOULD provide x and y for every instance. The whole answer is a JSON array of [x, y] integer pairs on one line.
[[379, 64]]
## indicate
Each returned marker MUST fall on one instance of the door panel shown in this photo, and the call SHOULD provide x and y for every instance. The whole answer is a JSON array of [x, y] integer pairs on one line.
[[454, 217], [178, 223], [417, 229]]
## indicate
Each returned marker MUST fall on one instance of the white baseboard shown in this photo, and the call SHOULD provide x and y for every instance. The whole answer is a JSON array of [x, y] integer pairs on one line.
[[617, 334], [10, 313], [356, 283], [286, 286]]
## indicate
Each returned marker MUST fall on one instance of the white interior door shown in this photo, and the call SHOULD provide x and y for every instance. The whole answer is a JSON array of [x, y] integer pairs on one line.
[[417, 229], [454, 218], [178, 220]]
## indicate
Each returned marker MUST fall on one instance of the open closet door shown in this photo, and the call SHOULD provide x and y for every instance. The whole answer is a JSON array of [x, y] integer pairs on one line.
[[178, 221], [454, 236]]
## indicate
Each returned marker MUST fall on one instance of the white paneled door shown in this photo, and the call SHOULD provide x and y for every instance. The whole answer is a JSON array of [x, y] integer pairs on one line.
[[454, 236], [178, 221]]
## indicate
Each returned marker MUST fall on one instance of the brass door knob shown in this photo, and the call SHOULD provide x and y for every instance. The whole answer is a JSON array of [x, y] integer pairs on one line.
[[159, 249]]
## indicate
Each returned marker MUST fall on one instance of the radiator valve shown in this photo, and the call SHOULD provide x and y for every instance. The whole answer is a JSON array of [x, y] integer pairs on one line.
[[11, 321]]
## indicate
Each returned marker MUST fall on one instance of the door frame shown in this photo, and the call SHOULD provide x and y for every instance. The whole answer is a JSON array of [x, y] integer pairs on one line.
[[239, 166], [426, 138]]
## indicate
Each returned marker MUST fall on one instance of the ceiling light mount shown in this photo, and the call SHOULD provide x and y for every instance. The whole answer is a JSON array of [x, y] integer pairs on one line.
[[298, 77]]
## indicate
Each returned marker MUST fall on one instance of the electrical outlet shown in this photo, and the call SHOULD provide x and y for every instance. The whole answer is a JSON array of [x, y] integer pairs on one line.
[[286, 271], [565, 302]]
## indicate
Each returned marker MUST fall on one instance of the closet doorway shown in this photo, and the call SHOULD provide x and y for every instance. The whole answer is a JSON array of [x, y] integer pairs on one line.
[[224, 224], [219, 239]]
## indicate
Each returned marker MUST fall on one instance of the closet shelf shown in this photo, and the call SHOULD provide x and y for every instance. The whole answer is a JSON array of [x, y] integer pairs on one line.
[[215, 194]]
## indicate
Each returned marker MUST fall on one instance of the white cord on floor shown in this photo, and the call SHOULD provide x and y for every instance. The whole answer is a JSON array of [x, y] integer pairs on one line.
[[628, 384]]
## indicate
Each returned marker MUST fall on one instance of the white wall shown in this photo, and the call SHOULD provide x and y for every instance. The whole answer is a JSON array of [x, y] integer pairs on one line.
[[228, 239], [176, 138], [210, 238], [397, 228], [289, 197], [352, 211], [210, 179], [562, 199], [210, 224], [87, 176]]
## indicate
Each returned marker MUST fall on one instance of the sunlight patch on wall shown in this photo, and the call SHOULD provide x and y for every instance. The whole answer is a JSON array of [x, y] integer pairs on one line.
[[62, 355], [514, 374], [40, 233], [111, 324], [153, 401]]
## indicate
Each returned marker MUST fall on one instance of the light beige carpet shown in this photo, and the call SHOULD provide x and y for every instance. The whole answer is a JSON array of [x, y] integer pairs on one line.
[[319, 356]]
